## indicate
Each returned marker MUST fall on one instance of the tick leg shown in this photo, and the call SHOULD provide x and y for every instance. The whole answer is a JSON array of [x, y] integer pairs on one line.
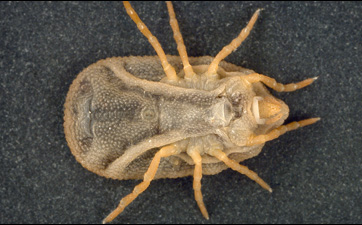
[[195, 155], [169, 70], [240, 168], [260, 139], [233, 45], [189, 73], [148, 177], [270, 82]]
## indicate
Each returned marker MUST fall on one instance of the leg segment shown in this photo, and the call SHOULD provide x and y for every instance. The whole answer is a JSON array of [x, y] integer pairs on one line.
[[169, 70], [189, 73], [270, 82], [240, 168], [260, 139], [194, 154], [148, 177], [233, 45]]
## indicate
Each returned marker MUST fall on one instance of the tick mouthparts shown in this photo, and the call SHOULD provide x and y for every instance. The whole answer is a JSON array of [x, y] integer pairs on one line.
[[255, 109]]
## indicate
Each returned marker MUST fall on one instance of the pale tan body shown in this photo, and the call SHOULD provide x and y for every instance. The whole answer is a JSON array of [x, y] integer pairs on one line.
[[169, 116], [171, 167]]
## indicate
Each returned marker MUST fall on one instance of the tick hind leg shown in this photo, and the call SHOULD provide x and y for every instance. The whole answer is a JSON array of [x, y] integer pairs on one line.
[[196, 157], [169, 70], [148, 177]]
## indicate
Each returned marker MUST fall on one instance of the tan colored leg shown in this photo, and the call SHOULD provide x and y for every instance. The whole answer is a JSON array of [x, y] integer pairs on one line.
[[148, 177], [260, 139], [270, 82], [169, 70], [240, 168], [194, 154], [233, 45], [189, 73]]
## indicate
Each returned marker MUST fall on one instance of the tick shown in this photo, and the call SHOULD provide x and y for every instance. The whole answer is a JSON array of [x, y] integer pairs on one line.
[[168, 116]]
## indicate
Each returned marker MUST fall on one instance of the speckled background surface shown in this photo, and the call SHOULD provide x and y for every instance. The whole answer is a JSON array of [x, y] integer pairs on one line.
[[315, 172]]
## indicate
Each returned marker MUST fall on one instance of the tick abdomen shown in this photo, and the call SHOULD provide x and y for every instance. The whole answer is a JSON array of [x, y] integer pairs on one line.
[[110, 115]]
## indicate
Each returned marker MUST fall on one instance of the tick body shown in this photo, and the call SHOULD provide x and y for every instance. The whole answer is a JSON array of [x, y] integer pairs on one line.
[[168, 116]]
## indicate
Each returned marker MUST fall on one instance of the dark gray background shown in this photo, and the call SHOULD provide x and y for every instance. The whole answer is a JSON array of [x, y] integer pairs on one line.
[[315, 171]]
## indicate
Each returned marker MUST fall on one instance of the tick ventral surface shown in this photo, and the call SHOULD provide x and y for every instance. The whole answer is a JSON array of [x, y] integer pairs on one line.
[[164, 116]]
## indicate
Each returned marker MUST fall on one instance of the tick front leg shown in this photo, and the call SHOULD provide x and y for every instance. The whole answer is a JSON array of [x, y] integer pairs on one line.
[[260, 139], [240, 168], [148, 177], [196, 157], [270, 82]]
